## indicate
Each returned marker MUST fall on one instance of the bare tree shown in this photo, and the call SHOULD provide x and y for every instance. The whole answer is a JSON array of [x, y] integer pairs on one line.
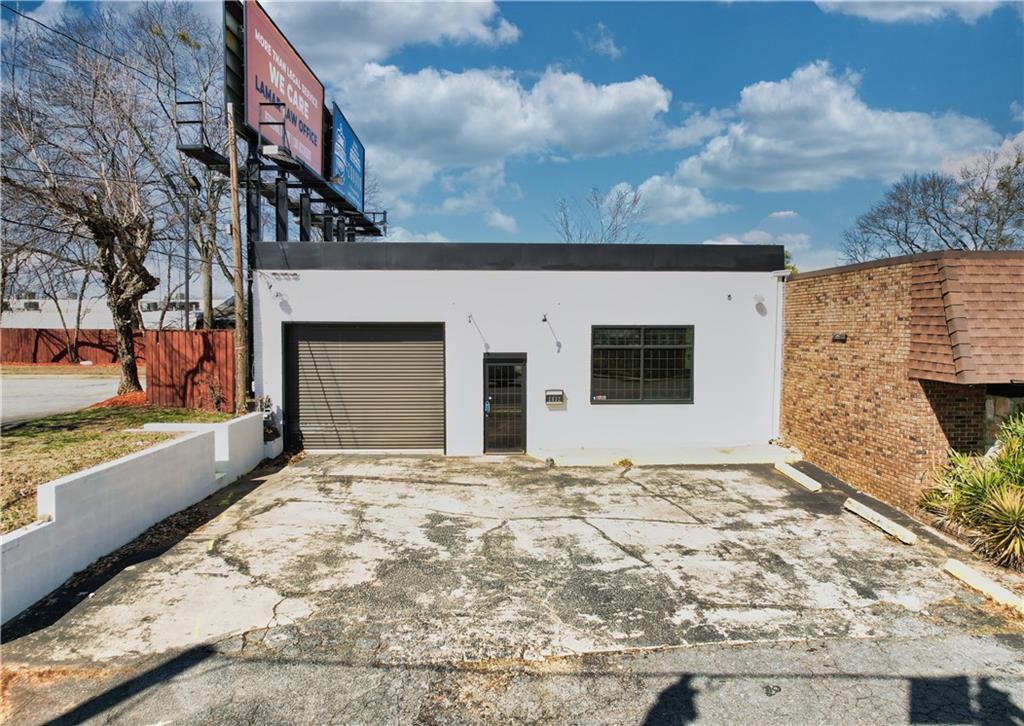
[[80, 134], [185, 51], [610, 218], [981, 208]]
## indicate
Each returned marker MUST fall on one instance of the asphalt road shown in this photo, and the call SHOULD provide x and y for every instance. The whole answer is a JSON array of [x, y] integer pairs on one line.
[[28, 397]]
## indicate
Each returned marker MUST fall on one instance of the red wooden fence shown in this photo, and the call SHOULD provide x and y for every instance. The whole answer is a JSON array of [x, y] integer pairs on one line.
[[191, 369], [49, 345]]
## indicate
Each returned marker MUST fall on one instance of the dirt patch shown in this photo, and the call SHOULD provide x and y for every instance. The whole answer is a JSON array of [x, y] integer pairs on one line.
[[32, 678], [135, 398]]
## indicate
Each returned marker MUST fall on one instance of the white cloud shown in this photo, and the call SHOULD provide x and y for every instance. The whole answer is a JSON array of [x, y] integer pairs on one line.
[[696, 128], [817, 258], [793, 241], [789, 229], [921, 11], [811, 131], [499, 220], [599, 39], [373, 31], [401, 234], [1017, 111], [1006, 151], [429, 125], [665, 201], [480, 116]]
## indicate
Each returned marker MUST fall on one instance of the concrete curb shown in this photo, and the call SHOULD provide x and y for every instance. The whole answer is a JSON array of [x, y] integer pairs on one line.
[[988, 587], [888, 526], [811, 485]]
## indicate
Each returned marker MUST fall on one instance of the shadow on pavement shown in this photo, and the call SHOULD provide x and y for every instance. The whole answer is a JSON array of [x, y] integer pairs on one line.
[[945, 700], [152, 543], [675, 705], [949, 701], [139, 684]]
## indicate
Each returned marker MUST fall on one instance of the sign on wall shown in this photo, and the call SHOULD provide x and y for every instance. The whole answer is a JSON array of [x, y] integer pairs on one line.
[[274, 73], [348, 159]]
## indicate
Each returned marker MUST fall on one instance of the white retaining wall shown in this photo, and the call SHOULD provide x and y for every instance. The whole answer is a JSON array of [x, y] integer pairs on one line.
[[238, 442], [95, 511]]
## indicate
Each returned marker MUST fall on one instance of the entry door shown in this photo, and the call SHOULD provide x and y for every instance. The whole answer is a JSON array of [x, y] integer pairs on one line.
[[505, 404]]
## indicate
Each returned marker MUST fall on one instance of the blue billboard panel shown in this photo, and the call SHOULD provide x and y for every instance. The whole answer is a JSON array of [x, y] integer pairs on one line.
[[348, 159]]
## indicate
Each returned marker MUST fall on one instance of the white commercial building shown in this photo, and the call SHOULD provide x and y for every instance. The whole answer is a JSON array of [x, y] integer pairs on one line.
[[44, 313], [545, 348]]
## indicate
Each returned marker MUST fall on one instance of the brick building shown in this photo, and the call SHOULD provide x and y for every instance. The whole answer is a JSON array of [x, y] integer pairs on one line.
[[889, 364]]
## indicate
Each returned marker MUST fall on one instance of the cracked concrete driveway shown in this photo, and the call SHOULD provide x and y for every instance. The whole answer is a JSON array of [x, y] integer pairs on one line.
[[431, 590]]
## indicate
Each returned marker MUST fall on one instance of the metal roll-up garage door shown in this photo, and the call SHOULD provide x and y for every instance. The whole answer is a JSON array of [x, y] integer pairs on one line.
[[365, 386]]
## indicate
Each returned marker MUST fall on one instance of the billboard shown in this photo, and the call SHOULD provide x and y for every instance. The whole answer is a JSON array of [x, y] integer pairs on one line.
[[274, 73], [348, 158]]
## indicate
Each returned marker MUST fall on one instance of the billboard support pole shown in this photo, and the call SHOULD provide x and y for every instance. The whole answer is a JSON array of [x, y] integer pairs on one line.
[[281, 206], [328, 225], [305, 218]]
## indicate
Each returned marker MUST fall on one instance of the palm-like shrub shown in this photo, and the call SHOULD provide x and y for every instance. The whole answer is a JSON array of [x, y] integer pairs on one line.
[[1002, 527], [983, 497]]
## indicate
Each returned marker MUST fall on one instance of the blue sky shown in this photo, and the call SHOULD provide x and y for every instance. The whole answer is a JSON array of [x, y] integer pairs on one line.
[[750, 122], [738, 122]]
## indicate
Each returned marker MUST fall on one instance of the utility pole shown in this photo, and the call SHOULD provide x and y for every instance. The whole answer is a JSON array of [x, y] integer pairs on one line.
[[188, 256], [241, 335]]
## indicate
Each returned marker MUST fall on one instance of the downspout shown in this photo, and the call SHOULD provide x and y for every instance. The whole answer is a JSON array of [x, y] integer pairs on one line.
[[780, 301]]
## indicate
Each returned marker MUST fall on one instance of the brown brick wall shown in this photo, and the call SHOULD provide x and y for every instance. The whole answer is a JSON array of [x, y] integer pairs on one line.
[[850, 407]]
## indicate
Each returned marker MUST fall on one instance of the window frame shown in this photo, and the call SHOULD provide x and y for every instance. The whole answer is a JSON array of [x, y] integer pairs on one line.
[[642, 347]]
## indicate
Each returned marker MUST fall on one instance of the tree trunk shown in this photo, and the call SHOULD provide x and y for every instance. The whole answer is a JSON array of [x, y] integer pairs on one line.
[[207, 275], [124, 328]]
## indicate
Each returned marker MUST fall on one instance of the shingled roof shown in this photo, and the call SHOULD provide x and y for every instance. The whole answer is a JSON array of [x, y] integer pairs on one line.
[[967, 317]]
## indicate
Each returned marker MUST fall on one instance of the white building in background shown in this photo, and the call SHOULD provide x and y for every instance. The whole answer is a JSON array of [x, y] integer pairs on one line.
[[42, 312], [545, 348]]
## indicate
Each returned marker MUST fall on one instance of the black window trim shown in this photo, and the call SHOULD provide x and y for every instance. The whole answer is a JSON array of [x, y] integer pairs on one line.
[[644, 401]]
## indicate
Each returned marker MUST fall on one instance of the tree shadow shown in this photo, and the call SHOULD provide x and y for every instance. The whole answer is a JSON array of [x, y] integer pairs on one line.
[[949, 701], [675, 705]]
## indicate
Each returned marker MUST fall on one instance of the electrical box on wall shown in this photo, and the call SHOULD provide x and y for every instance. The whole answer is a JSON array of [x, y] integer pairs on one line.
[[554, 398]]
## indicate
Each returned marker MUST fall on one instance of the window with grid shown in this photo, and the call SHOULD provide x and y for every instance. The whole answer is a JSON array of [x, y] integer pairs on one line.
[[642, 364]]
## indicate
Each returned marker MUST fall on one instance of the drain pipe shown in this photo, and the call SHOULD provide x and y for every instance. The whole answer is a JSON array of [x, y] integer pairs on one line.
[[780, 302]]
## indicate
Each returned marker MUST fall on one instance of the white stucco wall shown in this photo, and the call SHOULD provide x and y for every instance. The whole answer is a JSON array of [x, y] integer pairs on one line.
[[87, 515], [736, 343], [238, 442], [95, 315]]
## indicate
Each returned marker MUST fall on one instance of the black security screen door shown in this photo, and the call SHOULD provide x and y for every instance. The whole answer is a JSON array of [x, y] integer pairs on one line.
[[505, 404]]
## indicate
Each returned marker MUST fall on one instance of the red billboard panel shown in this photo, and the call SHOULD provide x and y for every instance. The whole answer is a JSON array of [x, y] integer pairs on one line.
[[274, 73]]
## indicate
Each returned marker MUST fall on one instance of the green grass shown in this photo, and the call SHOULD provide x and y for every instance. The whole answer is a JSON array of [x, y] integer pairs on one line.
[[48, 448], [982, 498]]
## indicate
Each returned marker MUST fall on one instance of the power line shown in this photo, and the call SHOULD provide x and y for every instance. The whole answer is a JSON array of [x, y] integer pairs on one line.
[[70, 175], [100, 53], [53, 230]]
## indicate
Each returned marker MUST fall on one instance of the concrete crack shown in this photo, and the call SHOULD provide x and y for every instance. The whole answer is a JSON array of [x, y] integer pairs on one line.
[[628, 550], [664, 498]]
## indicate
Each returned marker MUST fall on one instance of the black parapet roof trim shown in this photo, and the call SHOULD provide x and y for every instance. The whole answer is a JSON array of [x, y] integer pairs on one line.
[[513, 256]]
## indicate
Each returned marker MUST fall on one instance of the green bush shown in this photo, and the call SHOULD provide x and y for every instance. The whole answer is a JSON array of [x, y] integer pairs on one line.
[[982, 498]]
